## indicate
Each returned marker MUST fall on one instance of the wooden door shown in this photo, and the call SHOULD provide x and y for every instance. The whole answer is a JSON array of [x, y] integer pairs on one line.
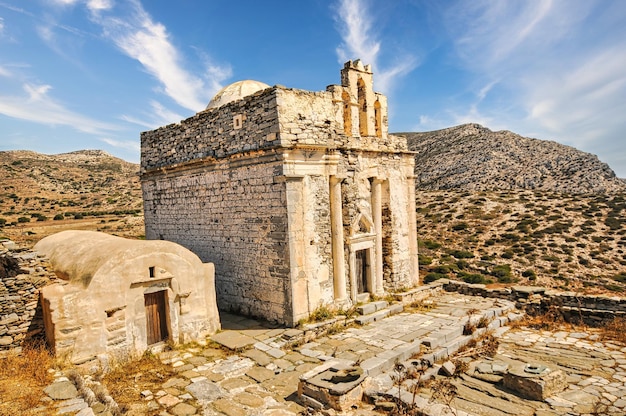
[[156, 318]]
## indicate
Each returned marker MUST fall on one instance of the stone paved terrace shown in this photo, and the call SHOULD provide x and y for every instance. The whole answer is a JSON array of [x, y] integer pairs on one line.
[[261, 375]]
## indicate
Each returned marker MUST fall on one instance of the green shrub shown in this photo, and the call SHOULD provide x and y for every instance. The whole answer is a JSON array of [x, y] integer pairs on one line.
[[462, 264], [431, 245], [431, 277], [613, 288], [510, 237], [474, 278], [424, 260], [441, 269], [502, 272], [59, 217], [553, 259], [613, 223], [620, 277], [530, 274], [460, 226], [2, 222], [23, 219], [461, 254], [321, 313]]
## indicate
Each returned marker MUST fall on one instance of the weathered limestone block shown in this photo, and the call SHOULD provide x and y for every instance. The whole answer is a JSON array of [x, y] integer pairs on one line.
[[247, 186], [535, 381], [338, 387]]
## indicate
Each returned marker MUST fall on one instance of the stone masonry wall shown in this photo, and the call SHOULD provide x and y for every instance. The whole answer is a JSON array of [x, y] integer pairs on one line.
[[316, 118], [535, 300], [214, 133], [268, 119], [234, 217], [20, 313]]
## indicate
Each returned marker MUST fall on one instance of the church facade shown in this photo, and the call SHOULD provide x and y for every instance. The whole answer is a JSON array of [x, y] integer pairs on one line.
[[299, 198]]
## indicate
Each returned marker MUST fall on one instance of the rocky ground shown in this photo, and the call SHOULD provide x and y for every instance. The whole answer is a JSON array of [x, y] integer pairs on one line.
[[90, 189], [472, 157], [260, 372], [561, 241]]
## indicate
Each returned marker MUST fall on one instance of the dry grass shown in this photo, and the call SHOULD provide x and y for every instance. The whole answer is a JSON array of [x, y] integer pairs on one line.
[[126, 379], [423, 305], [22, 380], [614, 330], [551, 320]]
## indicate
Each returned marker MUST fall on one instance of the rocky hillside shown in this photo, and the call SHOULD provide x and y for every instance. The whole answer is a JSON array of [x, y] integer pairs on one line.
[[472, 157], [570, 242], [74, 190]]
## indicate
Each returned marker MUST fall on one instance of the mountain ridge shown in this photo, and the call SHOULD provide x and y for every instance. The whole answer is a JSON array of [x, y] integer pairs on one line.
[[473, 157]]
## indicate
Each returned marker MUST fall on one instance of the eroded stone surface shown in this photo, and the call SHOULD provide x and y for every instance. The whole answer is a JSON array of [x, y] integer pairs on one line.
[[596, 371], [291, 194], [62, 390]]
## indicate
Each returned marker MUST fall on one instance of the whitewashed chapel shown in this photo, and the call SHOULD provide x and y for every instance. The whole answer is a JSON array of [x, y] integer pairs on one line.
[[299, 198]]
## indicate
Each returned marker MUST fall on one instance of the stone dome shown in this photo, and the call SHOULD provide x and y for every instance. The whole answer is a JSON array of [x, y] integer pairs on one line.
[[236, 91]]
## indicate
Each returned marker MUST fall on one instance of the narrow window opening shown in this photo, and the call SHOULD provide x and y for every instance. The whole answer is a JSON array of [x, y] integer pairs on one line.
[[347, 114], [362, 107], [378, 119], [151, 271]]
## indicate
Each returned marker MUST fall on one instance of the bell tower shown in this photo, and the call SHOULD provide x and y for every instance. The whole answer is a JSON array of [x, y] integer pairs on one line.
[[364, 111]]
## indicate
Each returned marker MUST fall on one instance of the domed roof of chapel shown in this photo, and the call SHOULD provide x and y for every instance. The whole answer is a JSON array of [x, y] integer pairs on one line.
[[236, 91]]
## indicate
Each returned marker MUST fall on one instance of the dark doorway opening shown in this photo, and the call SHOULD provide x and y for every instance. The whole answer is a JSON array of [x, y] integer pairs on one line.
[[362, 270]]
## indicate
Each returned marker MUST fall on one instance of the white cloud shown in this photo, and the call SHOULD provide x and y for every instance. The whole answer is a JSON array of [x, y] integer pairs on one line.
[[131, 145], [360, 41], [158, 116], [147, 41], [65, 2], [98, 5], [560, 67], [37, 106], [1, 26], [356, 33]]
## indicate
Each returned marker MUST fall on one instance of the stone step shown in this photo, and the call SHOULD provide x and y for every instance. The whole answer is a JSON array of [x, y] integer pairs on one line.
[[445, 344], [372, 317], [371, 307], [379, 313]]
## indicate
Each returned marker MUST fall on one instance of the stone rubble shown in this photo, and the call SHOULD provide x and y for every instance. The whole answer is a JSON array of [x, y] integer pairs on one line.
[[20, 313]]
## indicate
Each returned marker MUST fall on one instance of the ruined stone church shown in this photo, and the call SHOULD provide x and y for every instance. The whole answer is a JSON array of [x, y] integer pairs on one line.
[[299, 198]]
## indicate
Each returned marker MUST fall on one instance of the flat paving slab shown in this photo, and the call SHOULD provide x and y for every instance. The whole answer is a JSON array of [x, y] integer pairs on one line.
[[233, 340], [261, 373]]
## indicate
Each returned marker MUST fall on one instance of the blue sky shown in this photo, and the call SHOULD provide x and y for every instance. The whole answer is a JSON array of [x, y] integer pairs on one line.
[[93, 74]]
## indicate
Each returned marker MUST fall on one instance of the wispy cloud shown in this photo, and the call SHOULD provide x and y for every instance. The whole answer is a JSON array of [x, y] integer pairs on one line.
[[566, 82], [138, 36], [361, 41], [39, 107], [158, 116], [131, 145]]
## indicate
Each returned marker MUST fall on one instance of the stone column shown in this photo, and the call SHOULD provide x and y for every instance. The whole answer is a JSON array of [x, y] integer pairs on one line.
[[336, 229], [298, 305], [377, 217], [412, 230]]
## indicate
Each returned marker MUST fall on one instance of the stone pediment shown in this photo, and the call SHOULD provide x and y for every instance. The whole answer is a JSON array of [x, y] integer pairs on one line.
[[362, 224]]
